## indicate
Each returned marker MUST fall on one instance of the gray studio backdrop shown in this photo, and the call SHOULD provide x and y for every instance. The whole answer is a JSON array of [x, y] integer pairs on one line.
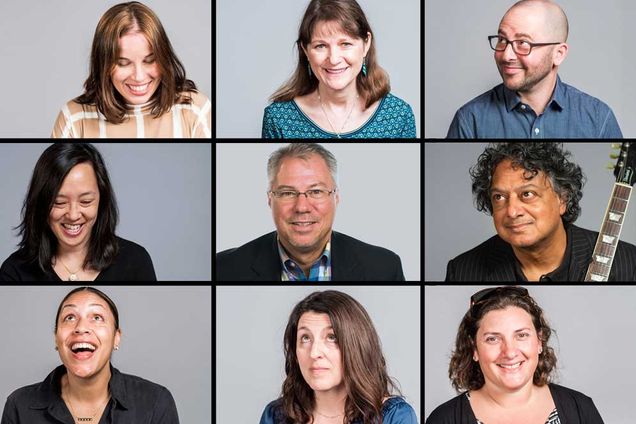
[[163, 191], [459, 63], [589, 348], [452, 225], [255, 55], [250, 323], [166, 338], [45, 49], [379, 187]]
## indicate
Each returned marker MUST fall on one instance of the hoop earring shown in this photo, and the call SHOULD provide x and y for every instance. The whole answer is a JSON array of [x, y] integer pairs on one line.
[[364, 66]]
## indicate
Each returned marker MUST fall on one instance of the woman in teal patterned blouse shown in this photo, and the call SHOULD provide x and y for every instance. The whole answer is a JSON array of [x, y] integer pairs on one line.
[[338, 89]]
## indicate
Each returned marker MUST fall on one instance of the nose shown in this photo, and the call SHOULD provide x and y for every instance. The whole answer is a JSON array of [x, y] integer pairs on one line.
[[81, 326], [302, 203], [74, 212], [509, 54], [316, 350], [334, 56], [139, 73], [509, 349], [515, 207]]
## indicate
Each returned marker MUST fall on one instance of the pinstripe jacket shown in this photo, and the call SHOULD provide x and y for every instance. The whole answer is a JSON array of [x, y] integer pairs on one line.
[[494, 260]]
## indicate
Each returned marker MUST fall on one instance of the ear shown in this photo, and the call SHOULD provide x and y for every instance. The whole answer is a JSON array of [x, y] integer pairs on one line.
[[563, 206], [559, 54], [475, 355], [117, 337], [367, 43], [337, 196]]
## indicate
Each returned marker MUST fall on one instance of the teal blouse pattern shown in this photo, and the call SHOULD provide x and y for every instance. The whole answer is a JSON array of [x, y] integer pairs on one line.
[[392, 119]]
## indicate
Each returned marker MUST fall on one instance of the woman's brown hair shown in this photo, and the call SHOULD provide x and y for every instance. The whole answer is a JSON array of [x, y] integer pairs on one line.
[[364, 368], [99, 89], [464, 372], [349, 15]]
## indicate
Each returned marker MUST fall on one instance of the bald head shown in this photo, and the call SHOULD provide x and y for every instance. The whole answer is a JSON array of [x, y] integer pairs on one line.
[[548, 16]]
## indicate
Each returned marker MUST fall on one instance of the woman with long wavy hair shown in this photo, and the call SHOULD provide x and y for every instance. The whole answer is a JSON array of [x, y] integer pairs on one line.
[[336, 372], [137, 87]]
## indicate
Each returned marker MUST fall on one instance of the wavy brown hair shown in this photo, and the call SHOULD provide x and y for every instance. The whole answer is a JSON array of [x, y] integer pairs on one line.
[[366, 380], [349, 15], [465, 373], [119, 20]]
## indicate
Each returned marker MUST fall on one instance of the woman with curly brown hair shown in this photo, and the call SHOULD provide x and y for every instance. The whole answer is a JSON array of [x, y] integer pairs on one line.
[[336, 373], [504, 367]]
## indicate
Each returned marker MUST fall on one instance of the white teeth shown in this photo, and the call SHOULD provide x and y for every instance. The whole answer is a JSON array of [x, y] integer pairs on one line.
[[511, 367], [138, 88], [83, 346], [72, 227]]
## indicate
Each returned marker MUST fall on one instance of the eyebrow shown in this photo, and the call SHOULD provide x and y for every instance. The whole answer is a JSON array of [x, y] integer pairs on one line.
[[517, 35], [498, 334], [523, 187], [86, 193], [294, 188], [72, 305]]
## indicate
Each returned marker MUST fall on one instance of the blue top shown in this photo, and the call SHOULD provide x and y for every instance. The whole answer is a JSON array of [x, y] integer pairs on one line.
[[570, 113], [392, 119], [395, 410]]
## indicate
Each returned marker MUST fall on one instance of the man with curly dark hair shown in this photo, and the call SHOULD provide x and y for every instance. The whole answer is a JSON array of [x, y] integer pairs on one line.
[[532, 190]]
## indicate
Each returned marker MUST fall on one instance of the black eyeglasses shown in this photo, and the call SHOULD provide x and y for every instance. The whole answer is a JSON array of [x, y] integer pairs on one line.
[[485, 294], [521, 47]]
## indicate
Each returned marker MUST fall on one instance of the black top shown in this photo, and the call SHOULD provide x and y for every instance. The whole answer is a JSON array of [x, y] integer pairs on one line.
[[133, 401], [494, 260], [573, 408], [351, 260], [132, 263]]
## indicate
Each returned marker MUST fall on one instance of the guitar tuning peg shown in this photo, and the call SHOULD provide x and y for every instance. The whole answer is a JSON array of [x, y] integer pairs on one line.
[[610, 166], [616, 145], [614, 155]]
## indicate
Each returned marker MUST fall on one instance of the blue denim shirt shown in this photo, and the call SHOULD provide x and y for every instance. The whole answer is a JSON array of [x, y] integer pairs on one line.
[[570, 113], [395, 410]]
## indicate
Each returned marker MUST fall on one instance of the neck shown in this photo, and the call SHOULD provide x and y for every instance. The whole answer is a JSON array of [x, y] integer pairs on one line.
[[338, 98], [543, 257], [330, 402], [509, 399], [539, 95], [305, 258], [87, 390]]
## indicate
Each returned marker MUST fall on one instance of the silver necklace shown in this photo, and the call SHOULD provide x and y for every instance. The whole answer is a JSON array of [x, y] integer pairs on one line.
[[330, 124], [72, 275], [327, 416]]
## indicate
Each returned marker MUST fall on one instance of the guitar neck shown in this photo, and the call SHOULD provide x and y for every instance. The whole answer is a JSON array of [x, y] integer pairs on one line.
[[605, 248]]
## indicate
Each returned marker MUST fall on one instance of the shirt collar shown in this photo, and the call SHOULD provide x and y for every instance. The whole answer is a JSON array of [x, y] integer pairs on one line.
[[558, 96], [49, 392], [287, 262]]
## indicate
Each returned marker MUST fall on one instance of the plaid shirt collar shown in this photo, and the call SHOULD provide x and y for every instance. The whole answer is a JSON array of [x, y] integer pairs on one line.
[[319, 271]]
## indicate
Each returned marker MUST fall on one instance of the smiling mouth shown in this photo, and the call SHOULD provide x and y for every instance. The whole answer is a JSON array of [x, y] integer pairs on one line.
[[336, 71], [83, 350], [511, 366], [72, 229], [138, 89]]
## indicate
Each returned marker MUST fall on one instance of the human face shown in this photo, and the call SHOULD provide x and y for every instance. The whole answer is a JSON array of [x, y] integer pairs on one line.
[[525, 212], [75, 207], [86, 318], [136, 75], [523, 73], [318, 352], [304, 225], [334, 56], [507, 347]]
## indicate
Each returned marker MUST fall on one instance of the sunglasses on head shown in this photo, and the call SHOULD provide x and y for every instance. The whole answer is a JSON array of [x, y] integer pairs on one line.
[[485, 294]]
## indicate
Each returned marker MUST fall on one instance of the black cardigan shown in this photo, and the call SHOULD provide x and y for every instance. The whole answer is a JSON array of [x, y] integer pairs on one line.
[[573, 407]]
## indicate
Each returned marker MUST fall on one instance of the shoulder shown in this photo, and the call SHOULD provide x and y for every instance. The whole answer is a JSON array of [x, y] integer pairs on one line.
[[135, 384], [138, 393], [370, 251], [574, 404], [273, 413], [490, 98], [264, 242], [277, 109], [450, 412], [25, 396], [131, 250], [392, 101], [396, 410], [132, 263], [477, 255], [582, 99], [17, 268]]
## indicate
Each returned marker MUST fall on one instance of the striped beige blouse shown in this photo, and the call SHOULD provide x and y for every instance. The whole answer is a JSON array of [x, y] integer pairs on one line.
[[181, 121]]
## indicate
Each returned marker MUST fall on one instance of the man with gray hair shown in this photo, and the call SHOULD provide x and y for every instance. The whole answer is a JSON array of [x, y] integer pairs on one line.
[[532, 101], [303, 196]]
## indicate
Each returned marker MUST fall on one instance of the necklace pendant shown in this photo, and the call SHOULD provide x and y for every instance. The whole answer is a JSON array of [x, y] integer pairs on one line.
[[84, 419], [338, 135], [73, 277]]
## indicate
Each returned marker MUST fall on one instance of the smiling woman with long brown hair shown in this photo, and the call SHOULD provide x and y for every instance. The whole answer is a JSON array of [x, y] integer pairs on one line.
[[137, 87], [336, 372]]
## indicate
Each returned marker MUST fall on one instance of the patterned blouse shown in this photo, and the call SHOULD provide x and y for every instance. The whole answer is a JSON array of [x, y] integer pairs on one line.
[[392, 119], [553, 418]]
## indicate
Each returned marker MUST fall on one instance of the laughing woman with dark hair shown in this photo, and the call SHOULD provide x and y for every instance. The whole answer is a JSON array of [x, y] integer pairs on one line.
[[68, 224], [336, 372], [137, 87]]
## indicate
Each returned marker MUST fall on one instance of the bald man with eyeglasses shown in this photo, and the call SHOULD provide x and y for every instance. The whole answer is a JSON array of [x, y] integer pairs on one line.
[[532, 101]]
